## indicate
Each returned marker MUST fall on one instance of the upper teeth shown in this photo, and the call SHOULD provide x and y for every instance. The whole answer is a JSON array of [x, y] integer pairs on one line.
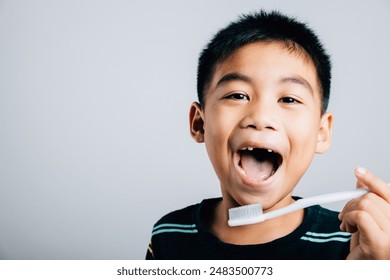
[[251, 149]]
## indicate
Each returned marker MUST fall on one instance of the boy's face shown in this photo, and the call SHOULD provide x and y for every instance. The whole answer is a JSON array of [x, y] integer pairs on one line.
[[262, 123]]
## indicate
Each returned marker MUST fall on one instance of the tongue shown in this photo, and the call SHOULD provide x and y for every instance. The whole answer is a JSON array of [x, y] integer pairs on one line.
[[256, 169]]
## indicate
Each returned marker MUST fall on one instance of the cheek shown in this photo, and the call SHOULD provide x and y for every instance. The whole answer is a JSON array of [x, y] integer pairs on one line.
[[304, 137], [215, 142], [218, 125], [213, 135]]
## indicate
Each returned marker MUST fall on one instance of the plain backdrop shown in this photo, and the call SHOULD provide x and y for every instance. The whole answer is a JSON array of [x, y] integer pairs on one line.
[[94, 100]]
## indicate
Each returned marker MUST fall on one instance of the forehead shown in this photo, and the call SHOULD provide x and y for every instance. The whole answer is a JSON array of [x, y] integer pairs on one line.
[[266, 62]]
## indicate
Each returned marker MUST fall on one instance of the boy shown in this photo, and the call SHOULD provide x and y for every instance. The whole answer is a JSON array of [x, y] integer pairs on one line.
[[263, 89]]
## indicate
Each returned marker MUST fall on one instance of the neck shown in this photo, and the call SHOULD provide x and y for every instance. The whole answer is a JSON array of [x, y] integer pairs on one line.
[[263, 232]]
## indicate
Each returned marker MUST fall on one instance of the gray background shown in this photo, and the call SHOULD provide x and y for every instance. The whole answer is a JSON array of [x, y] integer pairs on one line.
[[94, 98]]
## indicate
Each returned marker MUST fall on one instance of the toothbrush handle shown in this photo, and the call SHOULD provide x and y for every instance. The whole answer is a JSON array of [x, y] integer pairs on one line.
[[319, 199]]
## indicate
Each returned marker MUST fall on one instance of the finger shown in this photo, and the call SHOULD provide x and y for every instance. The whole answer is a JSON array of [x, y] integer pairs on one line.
[[372, 204], [368, 201], [363, 222], [354, 240], [367, 242], [374, 184]]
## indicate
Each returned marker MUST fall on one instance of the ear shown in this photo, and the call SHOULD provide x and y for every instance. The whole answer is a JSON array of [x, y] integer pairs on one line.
[[197, 122], [324, 139]]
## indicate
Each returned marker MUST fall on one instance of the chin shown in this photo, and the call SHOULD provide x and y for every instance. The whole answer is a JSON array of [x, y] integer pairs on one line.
[[268, 194]]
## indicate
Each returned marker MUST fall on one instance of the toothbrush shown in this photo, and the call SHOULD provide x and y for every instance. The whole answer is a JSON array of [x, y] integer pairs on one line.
[[253, 213]]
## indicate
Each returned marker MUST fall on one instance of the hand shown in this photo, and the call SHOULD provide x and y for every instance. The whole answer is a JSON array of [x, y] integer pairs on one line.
[[368, 219]]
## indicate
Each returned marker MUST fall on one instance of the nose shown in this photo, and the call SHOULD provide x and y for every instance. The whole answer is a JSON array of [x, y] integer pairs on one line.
[[260, 116]]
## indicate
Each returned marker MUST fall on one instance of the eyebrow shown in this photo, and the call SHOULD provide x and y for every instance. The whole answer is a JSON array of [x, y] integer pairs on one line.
[[297, 80], [233, 77]]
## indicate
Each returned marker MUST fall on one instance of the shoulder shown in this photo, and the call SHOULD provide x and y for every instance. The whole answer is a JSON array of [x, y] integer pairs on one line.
[[180, 217], [174, 234], [182, 221]]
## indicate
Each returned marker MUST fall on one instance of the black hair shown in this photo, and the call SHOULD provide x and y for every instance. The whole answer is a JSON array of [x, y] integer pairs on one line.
[[263, 26]]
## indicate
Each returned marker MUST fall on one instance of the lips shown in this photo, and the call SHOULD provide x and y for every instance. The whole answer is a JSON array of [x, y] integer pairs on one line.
[[257, 164]]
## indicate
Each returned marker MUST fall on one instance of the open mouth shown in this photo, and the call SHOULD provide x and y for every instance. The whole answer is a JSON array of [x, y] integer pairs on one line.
[[258, 164]]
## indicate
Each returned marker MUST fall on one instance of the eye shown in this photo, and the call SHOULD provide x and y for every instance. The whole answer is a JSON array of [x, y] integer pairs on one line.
[[237, 96], [288, 100]]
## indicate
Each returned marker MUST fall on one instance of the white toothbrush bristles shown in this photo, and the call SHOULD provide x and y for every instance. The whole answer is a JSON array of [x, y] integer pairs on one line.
[[244, 215]]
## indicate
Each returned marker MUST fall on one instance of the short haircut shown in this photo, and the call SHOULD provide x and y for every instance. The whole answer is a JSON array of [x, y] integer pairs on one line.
[[263, 26]]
